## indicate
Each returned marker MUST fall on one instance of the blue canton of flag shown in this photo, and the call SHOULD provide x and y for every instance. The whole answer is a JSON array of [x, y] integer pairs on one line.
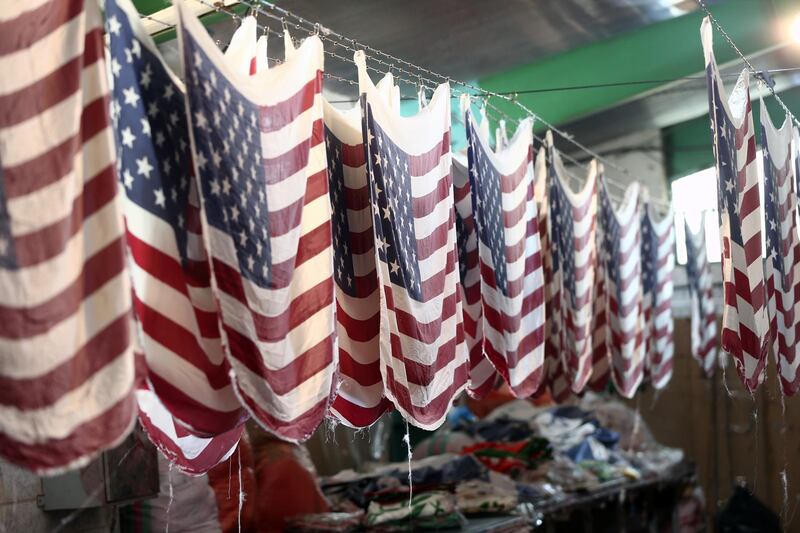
[[775, 250], [649, 258], [392, 209], [342, 252], [154, 164], [725, 154], [610, 249], [232, 175], [562, 235], [488, 208]]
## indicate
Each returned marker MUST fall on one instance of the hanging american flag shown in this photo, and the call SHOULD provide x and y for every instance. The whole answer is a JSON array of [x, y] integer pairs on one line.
[[482, 375], [66, 362], [553, 376], [701, 292], [424, 360], [572, 236], [360, 401], [619, 243], [172, 296], [783, 249], [509, 251], [658, 261], [259, 153], [745, 322]]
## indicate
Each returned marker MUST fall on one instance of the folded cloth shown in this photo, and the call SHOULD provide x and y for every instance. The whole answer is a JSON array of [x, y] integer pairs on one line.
[[325, 522], [512, 457], [427, 505], [480, 497]]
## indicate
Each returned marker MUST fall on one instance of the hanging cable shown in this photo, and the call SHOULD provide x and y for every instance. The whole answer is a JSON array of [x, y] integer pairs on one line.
[[758, 75], [282, 15]]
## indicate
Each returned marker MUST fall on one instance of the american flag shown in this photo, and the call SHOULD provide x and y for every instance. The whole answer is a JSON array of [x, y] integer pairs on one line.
[[423, 355], [619, 243], [172, 297], [554, 377], [701, 292], [783, 249], [360, 401], [66, 361], [509, 250], [658, 261], [482, 375], [572, 217], [745, 321], [259, 154]]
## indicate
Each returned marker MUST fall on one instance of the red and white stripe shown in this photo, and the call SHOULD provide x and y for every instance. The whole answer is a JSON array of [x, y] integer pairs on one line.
[[482, 375], [193, 455], [424, 360], [783, 290], [280, 340], [173, 302], [66, 362], [624, 314], [574, 323], [360, 401], [745, 320], [513, 323], [660, 347], [704, 316], [553, 376]]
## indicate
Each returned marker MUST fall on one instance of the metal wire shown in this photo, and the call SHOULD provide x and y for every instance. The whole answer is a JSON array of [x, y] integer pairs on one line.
[[758, 75], [280, 14]]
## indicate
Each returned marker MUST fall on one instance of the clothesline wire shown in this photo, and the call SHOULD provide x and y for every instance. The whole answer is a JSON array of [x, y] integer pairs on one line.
[[758, 75], [339, 40], [325, 33]]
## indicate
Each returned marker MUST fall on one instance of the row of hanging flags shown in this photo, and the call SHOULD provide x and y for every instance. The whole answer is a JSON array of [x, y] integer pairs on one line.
[[225, 244], [231, 246]]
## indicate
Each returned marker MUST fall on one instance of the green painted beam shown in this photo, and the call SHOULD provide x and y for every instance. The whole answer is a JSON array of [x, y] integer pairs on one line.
[[687, 146], [665, 50]]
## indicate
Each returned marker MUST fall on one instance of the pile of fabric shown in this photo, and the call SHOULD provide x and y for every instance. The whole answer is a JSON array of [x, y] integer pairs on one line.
[[518, 457]]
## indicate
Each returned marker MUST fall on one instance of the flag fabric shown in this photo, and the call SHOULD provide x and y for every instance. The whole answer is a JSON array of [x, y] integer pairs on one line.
[[745, 321], [66, 362], [601, 367], [783, 249], [360, 400], [701, 293], [482, 375], [424, 361], [172, 298], [796, 156], [572, 217], [554, 378], [658, 261], [193, 455], [619, 242], [510, 256], [259, 153]]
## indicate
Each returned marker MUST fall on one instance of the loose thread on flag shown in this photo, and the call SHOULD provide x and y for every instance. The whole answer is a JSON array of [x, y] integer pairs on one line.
[[636, 423], [723, 363], [171, 494], [755, 438], [407, 440], [784, 476], [241, 488], [654, 401], [230, 474]]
